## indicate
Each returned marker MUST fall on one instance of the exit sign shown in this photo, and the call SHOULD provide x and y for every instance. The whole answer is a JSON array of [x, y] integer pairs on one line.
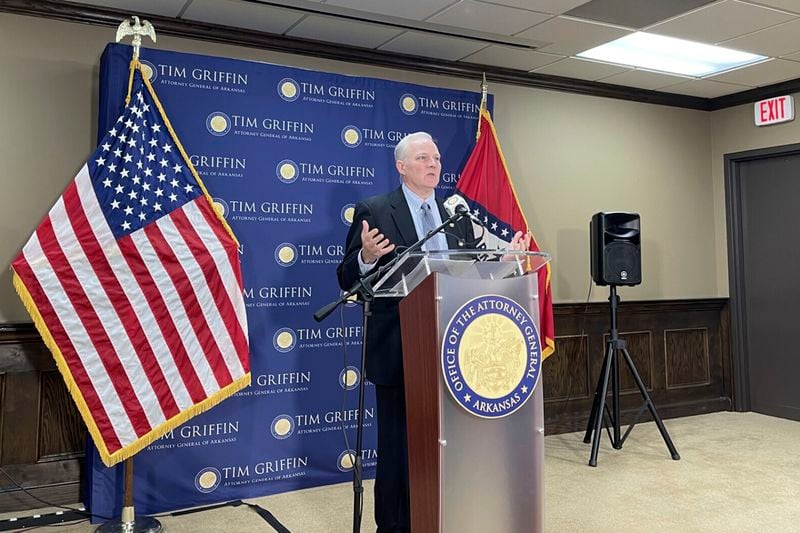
[[774, 110]]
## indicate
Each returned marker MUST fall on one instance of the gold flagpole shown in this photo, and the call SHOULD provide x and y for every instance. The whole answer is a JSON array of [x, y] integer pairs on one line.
[[129, 522], [484, 93]]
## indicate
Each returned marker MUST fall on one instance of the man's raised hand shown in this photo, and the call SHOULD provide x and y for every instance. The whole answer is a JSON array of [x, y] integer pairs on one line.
[[373, 244]]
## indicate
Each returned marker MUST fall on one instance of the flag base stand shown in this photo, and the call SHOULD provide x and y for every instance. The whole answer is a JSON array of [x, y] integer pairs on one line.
[[140, 524], [128, 522]]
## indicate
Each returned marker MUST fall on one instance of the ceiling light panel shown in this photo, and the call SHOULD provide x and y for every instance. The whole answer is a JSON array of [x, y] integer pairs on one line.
[[668, 54]]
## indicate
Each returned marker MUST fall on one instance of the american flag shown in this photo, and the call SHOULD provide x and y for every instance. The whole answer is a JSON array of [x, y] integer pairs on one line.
[[134, 282]]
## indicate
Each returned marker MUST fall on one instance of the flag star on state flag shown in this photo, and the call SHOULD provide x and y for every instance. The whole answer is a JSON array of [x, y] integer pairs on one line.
[[140, 301]]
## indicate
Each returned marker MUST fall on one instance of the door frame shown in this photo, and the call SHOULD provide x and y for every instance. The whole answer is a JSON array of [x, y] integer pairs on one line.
[[733, 209]]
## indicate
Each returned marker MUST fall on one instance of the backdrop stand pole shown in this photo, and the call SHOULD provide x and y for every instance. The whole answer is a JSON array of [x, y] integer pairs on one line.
[[129, 522]]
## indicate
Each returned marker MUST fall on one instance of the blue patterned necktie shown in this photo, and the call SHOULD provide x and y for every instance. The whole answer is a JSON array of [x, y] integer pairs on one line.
[[428, 224]]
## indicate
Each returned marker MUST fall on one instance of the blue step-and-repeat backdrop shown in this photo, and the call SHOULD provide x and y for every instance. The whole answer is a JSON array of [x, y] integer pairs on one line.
[[285, 153]]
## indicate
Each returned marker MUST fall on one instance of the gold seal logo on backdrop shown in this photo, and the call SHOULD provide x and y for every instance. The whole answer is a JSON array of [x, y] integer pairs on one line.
[[287, 171], [408, 104], [346, 460], [284, 340], [207, 480], [347, 213], [220, 206], [349, 378], [288, 89], [218, 123], [351, 136], [282, 427], [286, 254], [148, 70]]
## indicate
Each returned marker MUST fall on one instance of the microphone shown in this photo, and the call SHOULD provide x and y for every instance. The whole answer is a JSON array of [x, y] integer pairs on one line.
[[456, 205]]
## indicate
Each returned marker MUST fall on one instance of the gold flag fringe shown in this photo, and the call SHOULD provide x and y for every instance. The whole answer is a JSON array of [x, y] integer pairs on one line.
[[110, 459]]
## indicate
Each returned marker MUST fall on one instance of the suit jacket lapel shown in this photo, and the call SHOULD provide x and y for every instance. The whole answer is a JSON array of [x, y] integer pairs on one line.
[[402, 217]]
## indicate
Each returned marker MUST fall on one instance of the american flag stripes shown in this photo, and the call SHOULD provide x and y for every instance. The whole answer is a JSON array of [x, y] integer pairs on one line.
[[134, 282], [485, 184]]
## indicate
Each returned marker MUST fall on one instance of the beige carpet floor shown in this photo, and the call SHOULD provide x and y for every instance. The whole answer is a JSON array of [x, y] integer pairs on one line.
[[739, 472]]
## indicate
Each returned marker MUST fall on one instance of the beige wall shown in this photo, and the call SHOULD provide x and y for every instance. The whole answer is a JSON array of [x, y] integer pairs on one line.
[[570, 157], [733, 130]]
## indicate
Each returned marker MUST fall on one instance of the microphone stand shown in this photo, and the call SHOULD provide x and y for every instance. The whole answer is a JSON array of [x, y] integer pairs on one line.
[[364, 289]]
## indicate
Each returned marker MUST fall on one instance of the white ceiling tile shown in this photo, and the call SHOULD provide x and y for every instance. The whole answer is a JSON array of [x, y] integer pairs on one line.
[[720, 22], [242, 15], [407, 9], [774, 42], [340, 31], [504, 56], [570, 36], [793, 57], [704, 88], [581, 69], [553, 7], [488, 18], [787, 5], [167, 8], [766, 73], [644, 79], [430, 45]]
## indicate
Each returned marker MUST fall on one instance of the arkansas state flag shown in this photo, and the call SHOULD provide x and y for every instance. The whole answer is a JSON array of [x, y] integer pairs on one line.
[[486, 186]]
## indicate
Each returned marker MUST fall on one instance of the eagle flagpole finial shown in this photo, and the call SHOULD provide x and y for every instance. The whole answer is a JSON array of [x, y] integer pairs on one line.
[[132, 26]]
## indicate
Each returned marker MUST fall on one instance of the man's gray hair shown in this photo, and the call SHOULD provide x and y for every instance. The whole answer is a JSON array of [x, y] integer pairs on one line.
[[400, 149]]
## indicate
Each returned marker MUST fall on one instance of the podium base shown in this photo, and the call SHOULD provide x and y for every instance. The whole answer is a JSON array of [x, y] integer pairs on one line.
[[142, 524]]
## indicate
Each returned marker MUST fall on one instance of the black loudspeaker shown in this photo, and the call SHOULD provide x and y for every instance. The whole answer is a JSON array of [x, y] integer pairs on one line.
[[616, 248]]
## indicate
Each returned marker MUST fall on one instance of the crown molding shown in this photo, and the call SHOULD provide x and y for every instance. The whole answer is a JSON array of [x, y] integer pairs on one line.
[[100, 16]]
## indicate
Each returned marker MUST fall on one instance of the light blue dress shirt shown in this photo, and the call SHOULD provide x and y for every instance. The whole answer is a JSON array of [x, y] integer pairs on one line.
[[437, 242]]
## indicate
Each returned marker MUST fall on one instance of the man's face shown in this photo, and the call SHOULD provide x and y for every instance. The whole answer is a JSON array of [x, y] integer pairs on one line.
[[421, 167]]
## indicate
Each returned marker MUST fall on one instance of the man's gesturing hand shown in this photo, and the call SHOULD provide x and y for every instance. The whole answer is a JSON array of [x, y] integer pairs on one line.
[[520, 242], [373, 244]]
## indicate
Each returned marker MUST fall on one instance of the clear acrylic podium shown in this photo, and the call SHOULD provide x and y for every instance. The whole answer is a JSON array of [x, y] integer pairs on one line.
[[466, 473]]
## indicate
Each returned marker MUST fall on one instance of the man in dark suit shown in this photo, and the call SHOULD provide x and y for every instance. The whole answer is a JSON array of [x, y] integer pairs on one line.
[[380, 224]]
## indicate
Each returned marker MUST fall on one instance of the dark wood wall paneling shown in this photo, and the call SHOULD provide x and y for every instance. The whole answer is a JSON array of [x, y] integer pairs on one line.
[[680, 348], [42, 438]]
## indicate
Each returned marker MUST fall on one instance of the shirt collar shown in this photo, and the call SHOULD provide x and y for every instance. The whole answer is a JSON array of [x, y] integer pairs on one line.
[[414, 201]]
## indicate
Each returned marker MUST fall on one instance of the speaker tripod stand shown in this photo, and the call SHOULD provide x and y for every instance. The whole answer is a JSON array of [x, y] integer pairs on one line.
[[611, 416]]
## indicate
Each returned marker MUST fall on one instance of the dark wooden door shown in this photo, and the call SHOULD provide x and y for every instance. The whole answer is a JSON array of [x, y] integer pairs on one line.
[[770, 230]]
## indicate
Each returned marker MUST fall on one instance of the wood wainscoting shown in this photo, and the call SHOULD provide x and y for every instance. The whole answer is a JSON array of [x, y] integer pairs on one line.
[[680, 347], [42, 437]]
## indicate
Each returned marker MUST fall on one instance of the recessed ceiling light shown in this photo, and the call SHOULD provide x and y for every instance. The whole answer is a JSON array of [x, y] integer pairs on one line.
[[668, 54]]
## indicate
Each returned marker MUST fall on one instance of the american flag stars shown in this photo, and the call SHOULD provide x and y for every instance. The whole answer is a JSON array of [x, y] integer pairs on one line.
[[138, 174]]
